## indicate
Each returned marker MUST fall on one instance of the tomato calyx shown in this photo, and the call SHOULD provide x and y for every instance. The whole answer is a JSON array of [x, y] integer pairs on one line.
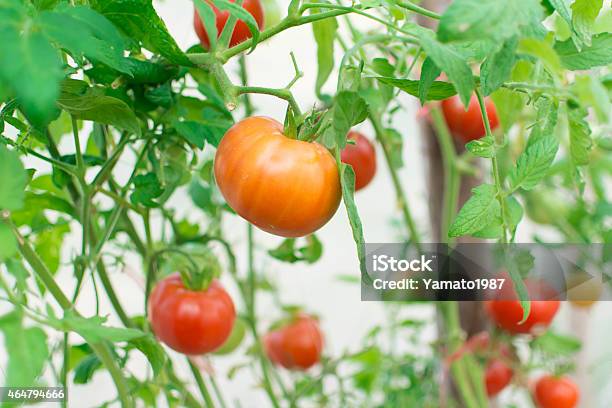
[[196, 276]]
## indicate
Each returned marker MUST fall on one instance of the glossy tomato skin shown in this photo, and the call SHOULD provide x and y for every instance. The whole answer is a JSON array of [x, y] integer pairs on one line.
[[556, 392], [361, 156], [508, 313], [241, 30], [190, 322], [468, 125], [497, 376], [296, 346], [284, 186]]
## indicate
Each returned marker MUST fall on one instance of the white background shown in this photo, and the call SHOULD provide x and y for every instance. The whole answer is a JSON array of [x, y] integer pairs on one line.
[[344, 318]]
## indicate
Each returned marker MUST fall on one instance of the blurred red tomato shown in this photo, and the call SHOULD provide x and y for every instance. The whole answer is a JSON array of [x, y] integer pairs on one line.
[[297, 345], [361, 156], [556, 392], [241, 30], [467, 125]]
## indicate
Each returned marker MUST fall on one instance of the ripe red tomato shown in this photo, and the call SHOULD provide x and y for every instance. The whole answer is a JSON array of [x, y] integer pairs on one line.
[[188, 321], [361, 157], [241, 30], [497, 376], [296, 346], [468, 125], [284, 186], [507, 313], [556, 392]]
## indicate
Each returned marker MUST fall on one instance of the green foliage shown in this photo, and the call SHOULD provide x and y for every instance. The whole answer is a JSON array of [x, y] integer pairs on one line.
[[325, 36], [288, 252], [481, 209]]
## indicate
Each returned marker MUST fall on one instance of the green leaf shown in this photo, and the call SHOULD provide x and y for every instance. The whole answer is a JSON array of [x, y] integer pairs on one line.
[[34, 69], [198, 133], [139, 20], [542, 50], [593, 93], [580, 136], [86, 368], [546, 120], [437, 91], [598, 54], [152, 350], [514, 214], [14, 178], [480, 209], [496, 69], [90, 104], [519, 262], [466, 20], [48, 245], [26, 349], [82, 31], [382, 67], [483, 147], [8, 244], [584, 13], [556, 344], [146, 189], [288, 252], [347, 179], [348, 110], [93, 330], [450, 61], [324, 33], [533, 164], [429, 73]]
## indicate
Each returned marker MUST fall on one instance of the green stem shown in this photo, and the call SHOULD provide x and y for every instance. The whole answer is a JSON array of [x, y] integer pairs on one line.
[[418, 9], [279, 93], [452, 178], [77, 147], [201, 385], [495, 167], [399, 191], [68, 168], [101, 349]]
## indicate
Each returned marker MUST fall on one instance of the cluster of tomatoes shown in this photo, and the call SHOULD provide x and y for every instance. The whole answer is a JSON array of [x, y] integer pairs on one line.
[[549, 391], [291, 188]]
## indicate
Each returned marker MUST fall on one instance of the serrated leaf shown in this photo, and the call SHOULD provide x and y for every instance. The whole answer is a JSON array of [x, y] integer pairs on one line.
[[533, 163], [93, 330], [546, 120], [324, 32], [139, 20], [198, 134], [496, 69], [480, 209], [514, 214], [450, 61], [597, 54], [483, 147], [348, 110], [34, 70], [347, 181], [542, 50], [78, 31], [26, 349], [584, 13], [580, 136], [14, 178], [87, 103], [146, 188], [466, 20], [429, 73], [437, 91]]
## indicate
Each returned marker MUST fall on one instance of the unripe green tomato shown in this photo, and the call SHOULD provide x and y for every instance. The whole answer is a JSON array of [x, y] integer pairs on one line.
[[544, 206], [235, 338], [272, 12]]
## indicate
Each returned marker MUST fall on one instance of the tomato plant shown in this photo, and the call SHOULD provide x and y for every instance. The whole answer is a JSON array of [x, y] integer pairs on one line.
[[140, 163]]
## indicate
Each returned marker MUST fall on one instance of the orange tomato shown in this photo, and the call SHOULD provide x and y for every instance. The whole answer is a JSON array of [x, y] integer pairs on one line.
[[284, 186], [296, 346]]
